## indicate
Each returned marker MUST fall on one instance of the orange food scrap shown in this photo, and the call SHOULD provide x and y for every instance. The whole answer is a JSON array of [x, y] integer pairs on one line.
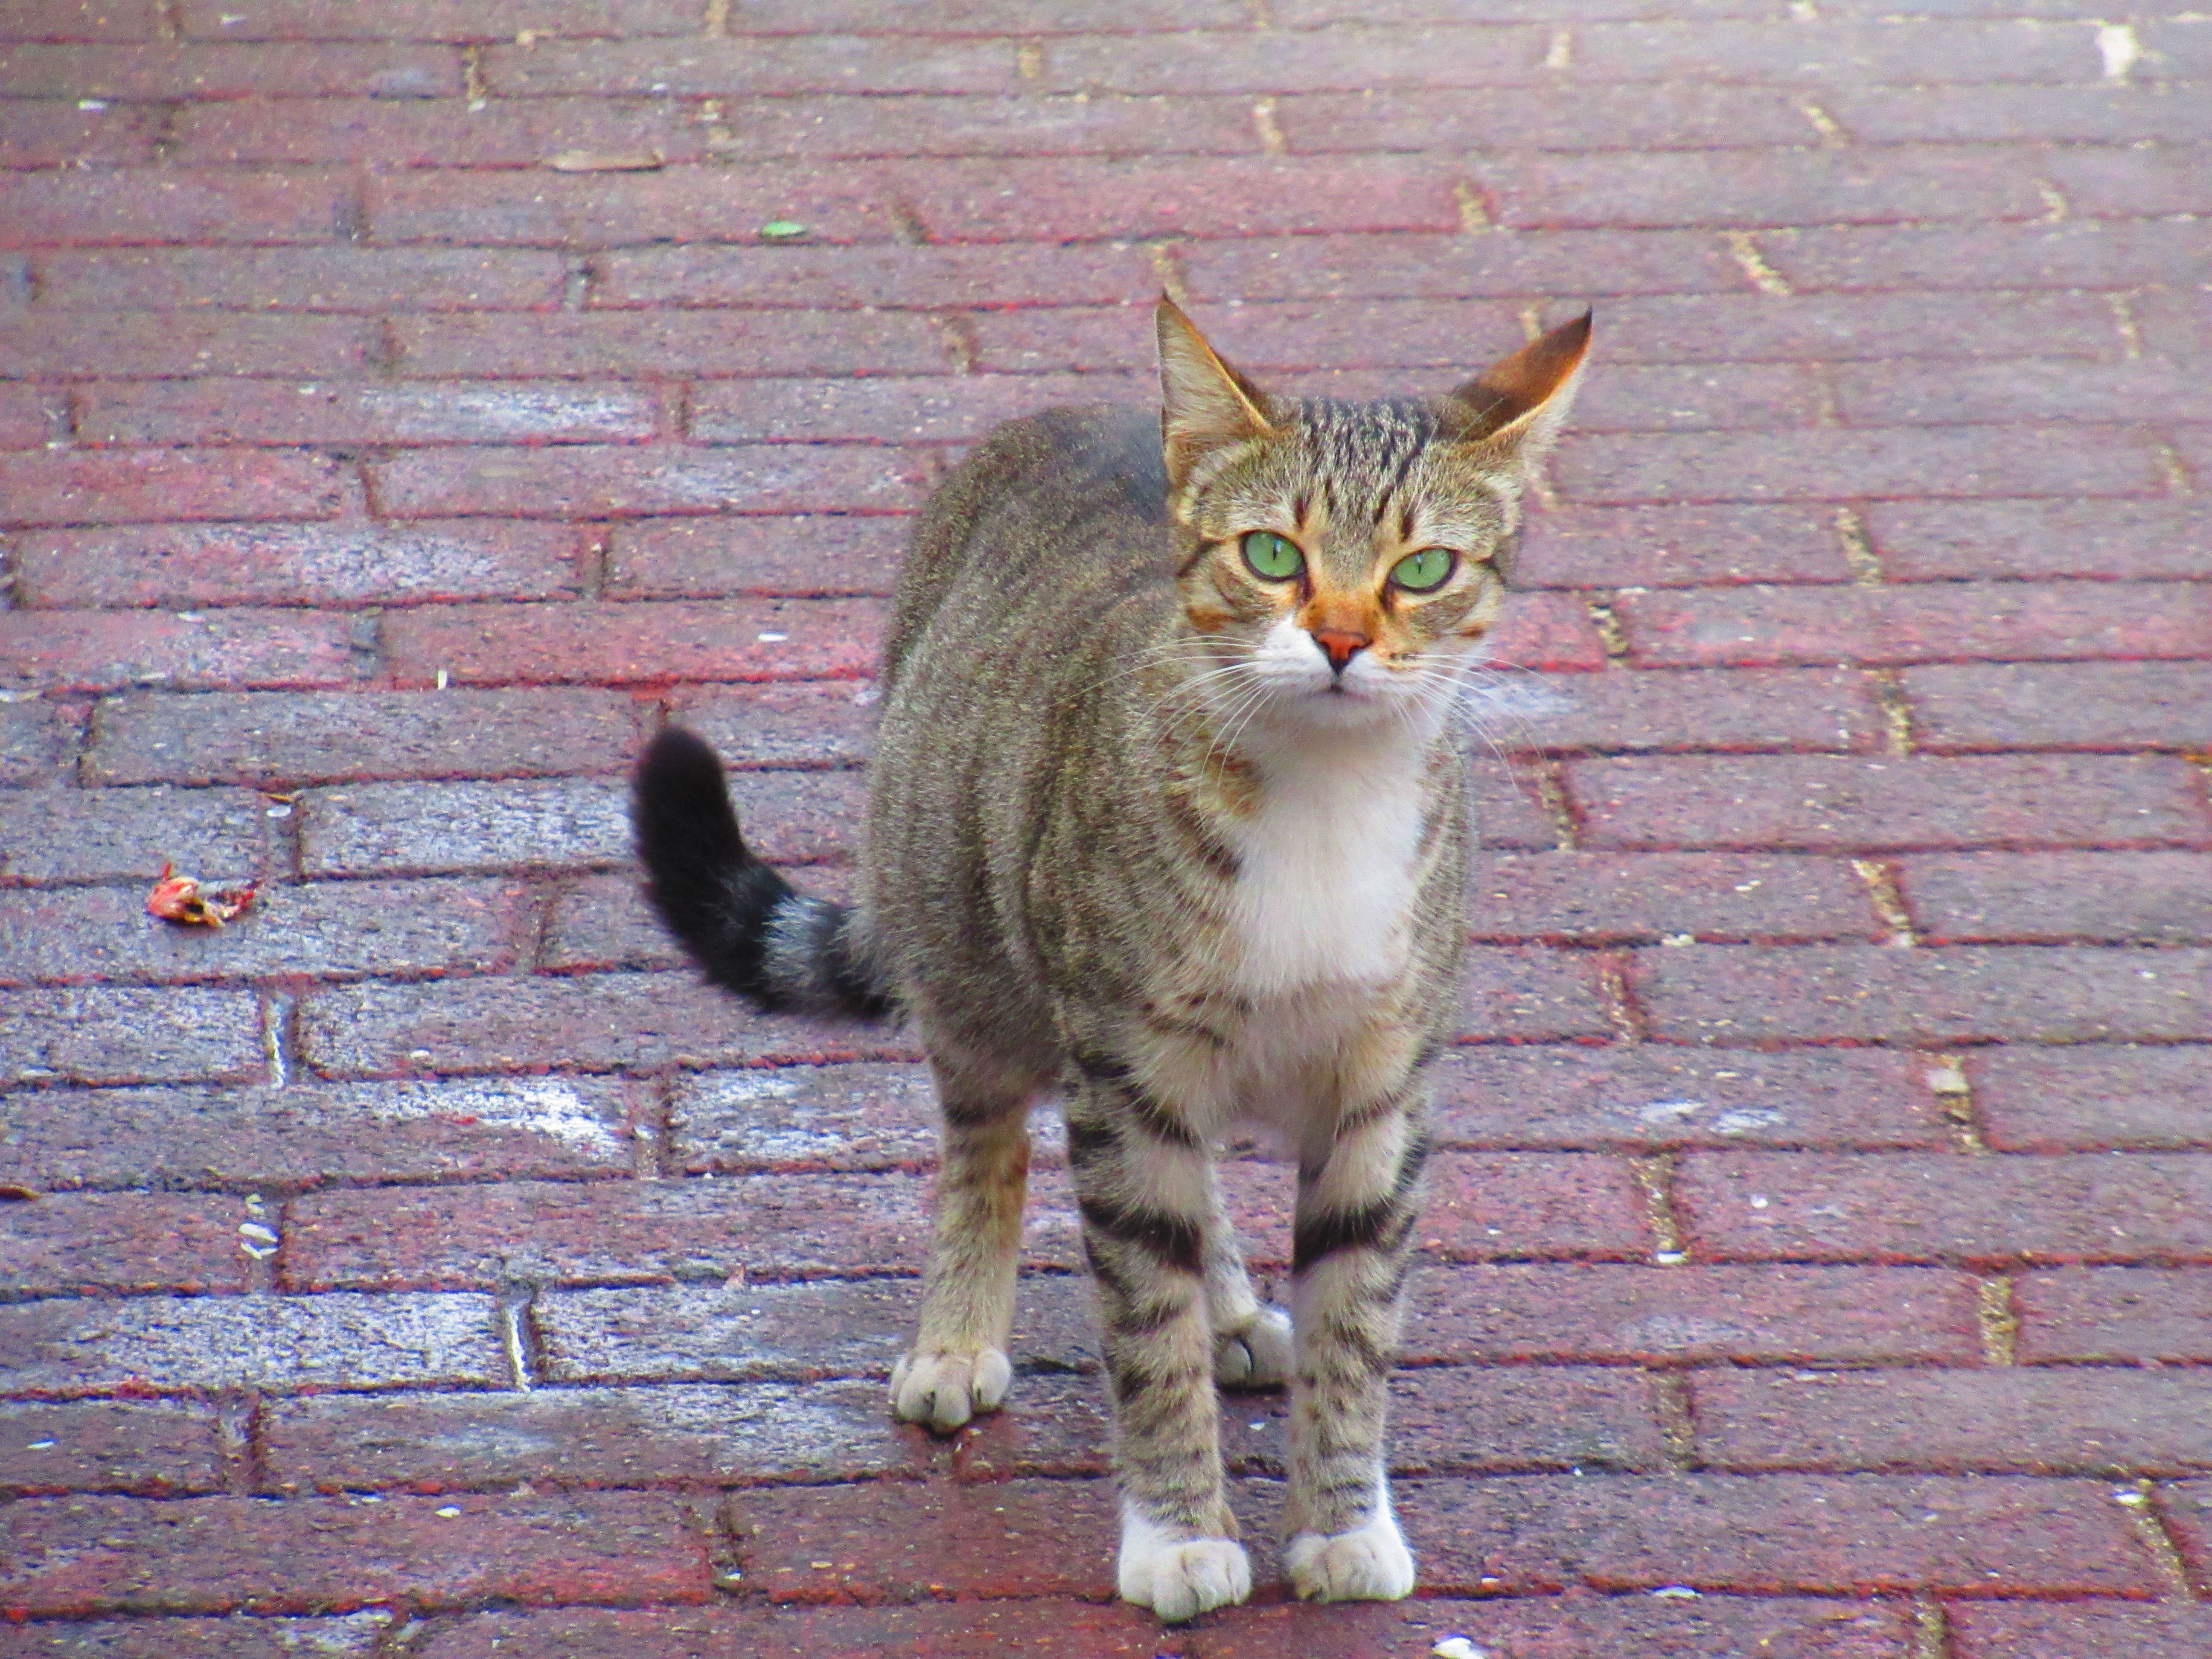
[[179, 899]]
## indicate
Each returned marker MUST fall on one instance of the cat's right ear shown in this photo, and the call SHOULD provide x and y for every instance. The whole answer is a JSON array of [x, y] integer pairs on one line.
[[1205, 404], [1514, 407]]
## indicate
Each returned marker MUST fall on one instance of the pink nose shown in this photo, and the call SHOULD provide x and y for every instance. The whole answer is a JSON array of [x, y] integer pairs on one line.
[[1340, 647]]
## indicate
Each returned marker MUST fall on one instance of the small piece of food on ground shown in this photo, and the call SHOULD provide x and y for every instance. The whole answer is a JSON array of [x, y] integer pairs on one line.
[[179, 899]]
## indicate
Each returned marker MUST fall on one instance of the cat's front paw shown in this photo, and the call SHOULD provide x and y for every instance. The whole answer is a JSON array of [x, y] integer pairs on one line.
[[1256, 1354], [1368, 1564], [1178, 1579], [945, 1389]]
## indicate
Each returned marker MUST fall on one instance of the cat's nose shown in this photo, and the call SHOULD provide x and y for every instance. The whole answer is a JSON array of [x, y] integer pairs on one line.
[[1341, 648]]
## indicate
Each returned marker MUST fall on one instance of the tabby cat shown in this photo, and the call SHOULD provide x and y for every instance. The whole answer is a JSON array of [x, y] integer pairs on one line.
[[1167, 815]]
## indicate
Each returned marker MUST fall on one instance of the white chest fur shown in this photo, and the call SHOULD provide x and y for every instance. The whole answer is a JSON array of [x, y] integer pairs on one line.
[[1327, 866]]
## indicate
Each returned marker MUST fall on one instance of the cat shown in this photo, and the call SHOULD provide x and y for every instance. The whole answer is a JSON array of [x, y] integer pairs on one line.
[[1167, 815]]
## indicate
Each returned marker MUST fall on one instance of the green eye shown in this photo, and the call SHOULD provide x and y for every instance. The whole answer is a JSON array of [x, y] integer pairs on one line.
[[1276, 557], [1417, 573]]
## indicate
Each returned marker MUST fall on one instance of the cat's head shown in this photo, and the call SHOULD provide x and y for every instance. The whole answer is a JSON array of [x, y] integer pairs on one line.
[[1350, 556]]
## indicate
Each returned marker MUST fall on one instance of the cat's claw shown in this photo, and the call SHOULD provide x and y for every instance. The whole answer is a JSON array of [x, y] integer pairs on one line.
[[1368, 1564], [1256, 1354], [945, 1389], [1179, 1578]]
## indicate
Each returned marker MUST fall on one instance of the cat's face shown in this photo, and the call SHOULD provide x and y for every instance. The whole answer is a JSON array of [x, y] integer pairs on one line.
[[1352, 556]]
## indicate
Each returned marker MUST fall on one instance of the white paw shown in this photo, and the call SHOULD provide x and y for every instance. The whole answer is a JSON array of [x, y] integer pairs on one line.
[[945, 1389], [1257, 1355], [1179, 1578], [1368, 1564]]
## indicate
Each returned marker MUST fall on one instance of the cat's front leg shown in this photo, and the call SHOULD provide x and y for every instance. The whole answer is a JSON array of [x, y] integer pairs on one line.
[[1142, 1183], [1350, 1250]]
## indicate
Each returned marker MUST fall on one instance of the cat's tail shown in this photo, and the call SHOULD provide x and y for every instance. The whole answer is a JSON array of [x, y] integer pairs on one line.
[[751, 930]]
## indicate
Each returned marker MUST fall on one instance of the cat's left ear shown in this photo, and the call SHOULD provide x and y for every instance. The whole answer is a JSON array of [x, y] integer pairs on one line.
[[1205, 404], [1514, 407]]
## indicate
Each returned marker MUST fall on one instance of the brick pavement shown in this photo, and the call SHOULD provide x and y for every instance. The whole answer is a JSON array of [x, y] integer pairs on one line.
[[407, 409]]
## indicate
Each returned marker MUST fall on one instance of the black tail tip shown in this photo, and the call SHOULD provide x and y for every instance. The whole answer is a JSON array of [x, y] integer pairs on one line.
[[680, 802]]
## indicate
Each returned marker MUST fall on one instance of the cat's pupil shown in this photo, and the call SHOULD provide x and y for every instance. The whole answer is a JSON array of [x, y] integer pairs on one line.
[[1275, 558], [1419, 572]]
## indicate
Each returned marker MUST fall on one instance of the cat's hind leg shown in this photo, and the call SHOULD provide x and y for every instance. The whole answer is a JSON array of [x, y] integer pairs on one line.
[[1143, 1183], [1251, 1340], [958, 1364]]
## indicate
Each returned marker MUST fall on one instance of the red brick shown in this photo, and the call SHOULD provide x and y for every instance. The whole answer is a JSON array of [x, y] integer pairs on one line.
[[38, 741], [675, 344], [420, 412], [1564, 1627], [1842, 804], [35, 134], [1676, 116], [836, 201], [291, 738], [2130, 182], [1852, 1534], [1692, 398], [990, 17], [1050, 200], [2101, 1421], [83, 1555], [1599, 898], [589, 1437], [1669, 546], [1479, 1206], [186, 565], [805, 1117], [890, 409], [2143, 1314], [1847, 328], [121, 208], [147, 1446], [65, 487], [443, 133], [139, 1344], [1272, 61], [2118, 705], [825, 125], [2188, 1511], [1271, 339], [427, 829], [2147, 898], [1616, 1314], [591, 480], [1628, 712], [1066, 1630], [884, 274], [2034, 1100], [829, 555], [1754, 189], [300, 279], [1624, 468], [25, 413], [1517, 994], [1847, 49], [598, 1021], [1650, 1095], [1999, 1630], [82, 344], [432, 20], [2022, 389], [816, 63], [595, 923], [1411, 265], [80, 1242], [356, 1636], [1507, 810], [618, 1231], [1919, 623], [108, 650], [1893, 1207], [690, 640], [1548, 1417], [268, 1138], [2018, 114], [329, 929], [102, 834], [2176, 323], [1546, 631], [161, 69], [104, 1035], [82, 19], [2109, 253], [1941, 541], [1867, 992]]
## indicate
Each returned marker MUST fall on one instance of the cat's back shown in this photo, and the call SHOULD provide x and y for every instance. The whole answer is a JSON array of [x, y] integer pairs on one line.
[[1063, 507]]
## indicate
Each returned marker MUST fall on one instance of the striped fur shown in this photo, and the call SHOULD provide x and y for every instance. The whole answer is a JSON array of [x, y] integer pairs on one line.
[[1134, 837]]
